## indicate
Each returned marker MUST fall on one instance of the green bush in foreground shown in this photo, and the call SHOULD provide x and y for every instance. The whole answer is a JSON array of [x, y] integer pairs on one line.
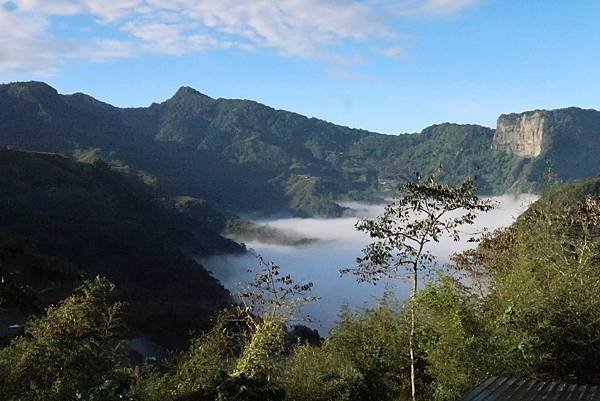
[[366, 358], [73, 352]]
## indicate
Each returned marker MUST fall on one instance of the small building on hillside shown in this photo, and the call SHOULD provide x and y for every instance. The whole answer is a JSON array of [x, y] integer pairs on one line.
[[511, 389]]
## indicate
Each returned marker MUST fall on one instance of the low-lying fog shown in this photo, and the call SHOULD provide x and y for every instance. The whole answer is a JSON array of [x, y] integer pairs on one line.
[[338, 247]]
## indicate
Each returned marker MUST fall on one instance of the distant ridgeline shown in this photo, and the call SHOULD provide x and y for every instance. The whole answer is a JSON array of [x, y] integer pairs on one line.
[[251, 158]]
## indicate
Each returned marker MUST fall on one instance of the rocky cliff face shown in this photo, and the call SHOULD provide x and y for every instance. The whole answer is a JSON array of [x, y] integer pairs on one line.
[[520, 134]]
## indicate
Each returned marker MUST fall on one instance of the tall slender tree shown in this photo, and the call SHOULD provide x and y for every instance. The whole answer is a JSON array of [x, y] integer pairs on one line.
[[425, 212]]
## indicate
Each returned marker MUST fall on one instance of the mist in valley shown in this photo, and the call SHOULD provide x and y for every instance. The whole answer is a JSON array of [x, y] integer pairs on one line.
[[338, 246]]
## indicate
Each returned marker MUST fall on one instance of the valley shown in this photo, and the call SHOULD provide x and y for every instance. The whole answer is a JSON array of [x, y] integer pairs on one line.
[[338, 245], [299, 200], [200, 163]]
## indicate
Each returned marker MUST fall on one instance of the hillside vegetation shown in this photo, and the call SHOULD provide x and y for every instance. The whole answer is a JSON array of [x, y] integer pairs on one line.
[[61, 221], [529, 308], [248, 157]]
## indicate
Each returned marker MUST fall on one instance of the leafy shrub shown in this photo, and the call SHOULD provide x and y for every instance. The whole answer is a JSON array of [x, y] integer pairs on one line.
[[73, 352]]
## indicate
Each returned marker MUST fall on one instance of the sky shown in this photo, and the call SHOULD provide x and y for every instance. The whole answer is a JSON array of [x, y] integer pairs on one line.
[[389, 66]]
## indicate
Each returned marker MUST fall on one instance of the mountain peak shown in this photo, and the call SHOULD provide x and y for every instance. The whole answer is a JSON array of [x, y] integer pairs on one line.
[[187, 92], [35, 88]]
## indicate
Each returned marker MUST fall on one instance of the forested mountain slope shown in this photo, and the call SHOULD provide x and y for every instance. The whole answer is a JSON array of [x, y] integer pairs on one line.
[[248, 157], [68, 220]]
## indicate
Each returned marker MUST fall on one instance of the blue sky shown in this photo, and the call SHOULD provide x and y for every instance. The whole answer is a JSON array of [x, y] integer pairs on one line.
[[385, 65]]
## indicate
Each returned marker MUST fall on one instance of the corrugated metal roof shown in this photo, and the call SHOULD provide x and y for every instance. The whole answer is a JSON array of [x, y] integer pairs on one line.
[[511, 389]]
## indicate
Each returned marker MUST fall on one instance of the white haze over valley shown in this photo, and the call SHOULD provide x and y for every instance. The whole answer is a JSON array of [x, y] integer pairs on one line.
[[338, 247]]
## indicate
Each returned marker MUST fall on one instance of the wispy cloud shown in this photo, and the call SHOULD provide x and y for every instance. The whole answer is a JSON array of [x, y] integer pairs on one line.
[[446, 6], [396, 51], [26, 46], [300, 28], [425, 7]]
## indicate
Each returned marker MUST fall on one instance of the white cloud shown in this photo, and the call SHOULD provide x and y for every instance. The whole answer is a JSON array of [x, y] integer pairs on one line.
[[446, 6], [28, 47], [103, 9], [425, 7], [21, 45], [107, 49], [164, 38], [53, 7], [305, 28], [298, 27], [395, 52]]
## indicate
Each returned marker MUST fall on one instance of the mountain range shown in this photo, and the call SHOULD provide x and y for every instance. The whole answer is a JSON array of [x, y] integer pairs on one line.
[[250, 158], [134, 194]]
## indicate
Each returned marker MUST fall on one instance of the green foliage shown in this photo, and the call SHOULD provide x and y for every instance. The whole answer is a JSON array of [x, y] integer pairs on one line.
[[73, 352], [25, 274], [423, 213], [93, 218], [366, 358], [542, 300], [530, 309], [259, 359], [238, 359], [453, 339], [197, 374], [254, 377], [321, 374]]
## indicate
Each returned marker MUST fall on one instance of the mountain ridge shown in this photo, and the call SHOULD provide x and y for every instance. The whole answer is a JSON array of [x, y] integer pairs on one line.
[[252, 158]]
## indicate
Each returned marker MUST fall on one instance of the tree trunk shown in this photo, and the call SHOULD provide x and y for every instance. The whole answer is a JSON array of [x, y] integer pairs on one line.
[[413, 294]]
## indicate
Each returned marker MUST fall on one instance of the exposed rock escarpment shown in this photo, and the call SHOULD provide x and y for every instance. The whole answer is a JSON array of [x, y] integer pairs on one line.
[[520, 134]]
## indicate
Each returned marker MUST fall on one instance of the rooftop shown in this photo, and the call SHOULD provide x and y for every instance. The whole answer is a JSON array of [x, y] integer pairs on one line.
[[511, 389]]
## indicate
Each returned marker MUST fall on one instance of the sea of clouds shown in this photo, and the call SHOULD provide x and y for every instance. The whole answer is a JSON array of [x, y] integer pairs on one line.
[[338, 247]]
